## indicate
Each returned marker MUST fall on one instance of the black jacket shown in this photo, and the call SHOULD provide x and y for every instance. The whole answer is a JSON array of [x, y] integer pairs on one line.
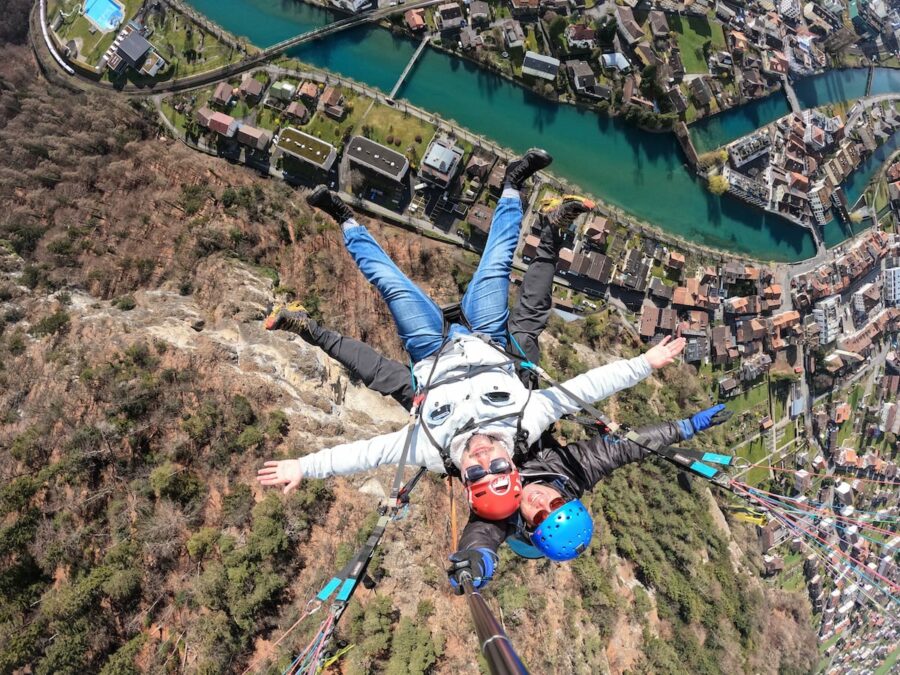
[[583, 464]]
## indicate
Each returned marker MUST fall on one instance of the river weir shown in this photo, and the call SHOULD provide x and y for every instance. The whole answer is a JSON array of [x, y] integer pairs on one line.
[[642, 173]]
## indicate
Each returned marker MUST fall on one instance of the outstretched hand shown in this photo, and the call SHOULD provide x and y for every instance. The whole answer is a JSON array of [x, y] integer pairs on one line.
[[665, 352], [287, 472]]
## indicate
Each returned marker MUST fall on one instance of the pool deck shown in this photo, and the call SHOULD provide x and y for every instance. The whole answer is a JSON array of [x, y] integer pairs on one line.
[[104, 26]]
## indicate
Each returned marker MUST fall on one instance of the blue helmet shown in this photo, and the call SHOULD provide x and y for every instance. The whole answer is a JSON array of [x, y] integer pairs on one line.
[[565, 533]]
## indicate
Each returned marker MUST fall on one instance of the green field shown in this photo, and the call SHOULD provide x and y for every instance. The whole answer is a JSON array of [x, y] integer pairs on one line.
[[334, 131], [755, 451], [750, 399], [188, 49], [888, 665], [691, 34], [413, 134]]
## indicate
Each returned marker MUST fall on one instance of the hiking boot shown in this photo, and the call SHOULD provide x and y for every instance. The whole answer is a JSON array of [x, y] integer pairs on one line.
[[561, 212], [519, 170], [326, 200], [292, 317]]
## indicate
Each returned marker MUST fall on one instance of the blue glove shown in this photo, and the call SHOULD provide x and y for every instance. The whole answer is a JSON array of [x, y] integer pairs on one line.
[[703, 420], [477, 563]]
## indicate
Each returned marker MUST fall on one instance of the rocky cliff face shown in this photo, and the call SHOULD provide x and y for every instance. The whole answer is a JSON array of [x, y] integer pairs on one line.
[[139, 395]]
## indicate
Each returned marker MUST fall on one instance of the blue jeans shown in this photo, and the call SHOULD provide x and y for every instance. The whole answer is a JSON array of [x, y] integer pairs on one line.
[[419, 320]]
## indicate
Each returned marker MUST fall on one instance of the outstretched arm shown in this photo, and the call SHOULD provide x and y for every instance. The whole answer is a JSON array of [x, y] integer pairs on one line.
[[599, 456], [549, 405], [350, 458]]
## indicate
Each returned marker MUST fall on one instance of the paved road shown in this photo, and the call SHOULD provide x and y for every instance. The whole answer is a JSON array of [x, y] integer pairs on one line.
[[866, 103]]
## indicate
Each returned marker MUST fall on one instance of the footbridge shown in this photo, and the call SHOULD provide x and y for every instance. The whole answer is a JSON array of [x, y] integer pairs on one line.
[[371, 16], [409, 66], [793, 101]]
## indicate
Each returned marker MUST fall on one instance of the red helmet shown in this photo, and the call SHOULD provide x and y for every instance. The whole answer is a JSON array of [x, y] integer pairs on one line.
[[496, 496]]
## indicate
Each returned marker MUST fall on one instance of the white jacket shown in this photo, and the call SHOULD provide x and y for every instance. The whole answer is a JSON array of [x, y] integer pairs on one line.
[[449, 407]]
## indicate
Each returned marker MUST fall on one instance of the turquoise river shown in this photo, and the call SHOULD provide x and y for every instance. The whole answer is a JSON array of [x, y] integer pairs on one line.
[[642, 173]]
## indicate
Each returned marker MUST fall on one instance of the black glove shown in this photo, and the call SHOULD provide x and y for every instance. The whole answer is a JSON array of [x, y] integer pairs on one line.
[[476, 563]]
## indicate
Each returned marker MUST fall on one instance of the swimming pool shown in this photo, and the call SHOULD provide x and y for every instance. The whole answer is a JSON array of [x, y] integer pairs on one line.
[[105, 14]]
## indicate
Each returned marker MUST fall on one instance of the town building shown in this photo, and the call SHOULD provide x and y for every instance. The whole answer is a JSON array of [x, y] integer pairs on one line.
[[222, 124], [441, 162], [258, 139], [479, 14], [415, 19], [513, 35], [222, 95], [282, 91], [372, 157], [251, 88], [332, 102], [827, 314], [540, 66], [628, 28], [615, 61], [308, 149], [133, 50], [449, 18], [579, 36], [891, 281]]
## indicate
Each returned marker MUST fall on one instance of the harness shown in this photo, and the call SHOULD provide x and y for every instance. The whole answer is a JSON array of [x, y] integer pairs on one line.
[[521, 451]]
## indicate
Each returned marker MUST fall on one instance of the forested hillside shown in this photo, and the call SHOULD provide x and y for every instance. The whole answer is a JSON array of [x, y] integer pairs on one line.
[[139, 394]]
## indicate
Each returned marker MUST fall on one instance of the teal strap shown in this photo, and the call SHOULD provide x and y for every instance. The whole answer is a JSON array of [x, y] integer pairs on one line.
[[715, 458], [346, 590], [515, 342], [703, 469], [330, 587]]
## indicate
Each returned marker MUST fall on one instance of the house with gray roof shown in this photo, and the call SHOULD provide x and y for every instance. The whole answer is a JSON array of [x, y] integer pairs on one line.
[[540, 66]]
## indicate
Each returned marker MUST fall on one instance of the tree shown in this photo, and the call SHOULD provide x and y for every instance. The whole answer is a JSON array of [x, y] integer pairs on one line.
[[356, 181], [556, 25], [718, 184]]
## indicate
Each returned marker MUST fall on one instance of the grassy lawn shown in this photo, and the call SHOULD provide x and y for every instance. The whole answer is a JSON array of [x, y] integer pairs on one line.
[[175, 117], [531, 40], [755, 451], [844, 432], [268, 118], [414, 134], [333, 131], [188, 49], [691, 34], [750, 399]]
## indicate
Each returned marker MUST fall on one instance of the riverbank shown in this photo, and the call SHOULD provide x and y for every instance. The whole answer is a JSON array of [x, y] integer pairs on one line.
[[632, 172]]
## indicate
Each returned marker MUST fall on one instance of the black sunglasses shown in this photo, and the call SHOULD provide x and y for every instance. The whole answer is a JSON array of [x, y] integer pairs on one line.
[[477, 472]]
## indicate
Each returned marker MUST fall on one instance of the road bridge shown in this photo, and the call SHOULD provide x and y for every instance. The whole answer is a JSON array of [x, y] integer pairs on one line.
[[409, 66], [793, 101]]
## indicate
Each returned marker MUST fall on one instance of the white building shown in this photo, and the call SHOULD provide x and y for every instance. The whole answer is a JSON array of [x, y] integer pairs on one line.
[[891, 278], [827, 314]]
